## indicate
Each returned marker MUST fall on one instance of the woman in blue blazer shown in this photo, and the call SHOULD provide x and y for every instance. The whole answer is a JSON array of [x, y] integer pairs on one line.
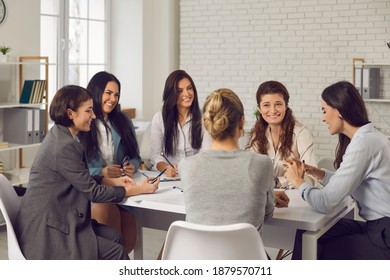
[[112, 151]]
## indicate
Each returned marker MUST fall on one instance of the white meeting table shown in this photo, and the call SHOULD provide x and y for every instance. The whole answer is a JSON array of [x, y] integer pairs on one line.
[[166, 205]]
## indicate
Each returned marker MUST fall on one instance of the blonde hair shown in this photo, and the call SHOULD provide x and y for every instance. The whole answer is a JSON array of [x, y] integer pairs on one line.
[[222, 112]]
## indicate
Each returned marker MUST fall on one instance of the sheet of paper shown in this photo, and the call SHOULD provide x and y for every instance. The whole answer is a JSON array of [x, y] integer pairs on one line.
[[161, 192], [146, 173]]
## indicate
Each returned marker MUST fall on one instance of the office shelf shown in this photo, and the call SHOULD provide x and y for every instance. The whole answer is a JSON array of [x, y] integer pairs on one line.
[[13, 146], [28, 67], [377, 100], [358, 63], [23, 105], [363, 64]]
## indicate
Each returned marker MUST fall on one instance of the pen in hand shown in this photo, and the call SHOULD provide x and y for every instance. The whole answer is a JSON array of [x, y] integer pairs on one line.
[[155, 178], [124, 161], [162, 154]]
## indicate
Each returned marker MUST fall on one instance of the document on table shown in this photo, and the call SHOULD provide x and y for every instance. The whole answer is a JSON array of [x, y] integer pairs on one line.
[[153, 174], [161, 192]]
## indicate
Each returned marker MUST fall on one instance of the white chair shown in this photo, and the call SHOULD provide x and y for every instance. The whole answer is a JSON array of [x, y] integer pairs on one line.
[[326, 163], [188, 241], [9, 206]]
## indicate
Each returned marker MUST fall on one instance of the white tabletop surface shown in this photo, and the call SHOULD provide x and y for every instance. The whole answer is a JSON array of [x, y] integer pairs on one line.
[[298, 215]]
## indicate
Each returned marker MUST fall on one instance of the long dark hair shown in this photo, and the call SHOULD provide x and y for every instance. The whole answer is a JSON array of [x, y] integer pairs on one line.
[[258, 132], [170, 113], [117, 119], [344, 97]]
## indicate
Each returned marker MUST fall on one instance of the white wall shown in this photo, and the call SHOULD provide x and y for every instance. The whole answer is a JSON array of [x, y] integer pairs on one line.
[[126, 50], [144, 45], [23, 36], [20, 31], [21, 28], [307, 45], [144, 50]]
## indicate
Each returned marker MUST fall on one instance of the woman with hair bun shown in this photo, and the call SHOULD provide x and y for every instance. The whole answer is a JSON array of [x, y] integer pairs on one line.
[[226, 185]]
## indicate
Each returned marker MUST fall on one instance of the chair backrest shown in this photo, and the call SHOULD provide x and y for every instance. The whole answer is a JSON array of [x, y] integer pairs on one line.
[[326, 163], [145, 146], [188, 241], [9, 206]]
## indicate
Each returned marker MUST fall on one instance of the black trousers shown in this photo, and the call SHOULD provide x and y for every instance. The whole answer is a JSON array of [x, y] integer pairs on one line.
[[109, 242], [351, 240]]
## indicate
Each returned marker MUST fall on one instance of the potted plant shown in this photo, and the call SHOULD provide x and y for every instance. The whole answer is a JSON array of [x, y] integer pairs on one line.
[[4, 50]]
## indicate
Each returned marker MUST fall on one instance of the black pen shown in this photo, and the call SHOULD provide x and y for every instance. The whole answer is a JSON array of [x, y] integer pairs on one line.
[[155, 178], [166, 159], [125, 159]]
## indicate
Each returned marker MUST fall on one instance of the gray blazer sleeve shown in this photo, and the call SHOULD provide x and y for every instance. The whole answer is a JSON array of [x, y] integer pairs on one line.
[[72, 165]]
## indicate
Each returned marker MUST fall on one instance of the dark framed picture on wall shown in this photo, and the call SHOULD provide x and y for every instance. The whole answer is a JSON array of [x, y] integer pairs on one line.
[[3, 11]]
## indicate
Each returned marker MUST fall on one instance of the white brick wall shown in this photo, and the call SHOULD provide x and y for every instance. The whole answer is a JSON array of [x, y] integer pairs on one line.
[[307, 45]]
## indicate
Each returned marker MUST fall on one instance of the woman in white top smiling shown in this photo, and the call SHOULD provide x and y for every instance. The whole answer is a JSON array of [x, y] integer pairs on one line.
[[363, 172], [277, 133], [176, 132]]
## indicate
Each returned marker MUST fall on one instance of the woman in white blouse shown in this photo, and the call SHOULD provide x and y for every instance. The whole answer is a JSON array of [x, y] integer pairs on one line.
[[176, 131], [277, 133]]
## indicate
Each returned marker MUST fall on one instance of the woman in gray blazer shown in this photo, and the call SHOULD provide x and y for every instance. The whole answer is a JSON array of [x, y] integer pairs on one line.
[[54, 221]]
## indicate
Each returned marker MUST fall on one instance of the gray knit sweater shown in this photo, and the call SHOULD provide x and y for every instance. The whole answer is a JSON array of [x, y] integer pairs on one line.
[[225, 187]]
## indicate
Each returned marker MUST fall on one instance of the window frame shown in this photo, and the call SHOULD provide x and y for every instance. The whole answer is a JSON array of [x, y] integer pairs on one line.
[[62, 61]]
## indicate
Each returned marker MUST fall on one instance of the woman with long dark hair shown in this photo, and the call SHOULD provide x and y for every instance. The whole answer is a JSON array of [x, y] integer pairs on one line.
[[177, 130], [112, 151], [277, 133], [112, 136], [363, 172]]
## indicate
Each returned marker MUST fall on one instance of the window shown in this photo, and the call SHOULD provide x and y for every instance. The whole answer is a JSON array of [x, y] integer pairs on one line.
[[74, 36]]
